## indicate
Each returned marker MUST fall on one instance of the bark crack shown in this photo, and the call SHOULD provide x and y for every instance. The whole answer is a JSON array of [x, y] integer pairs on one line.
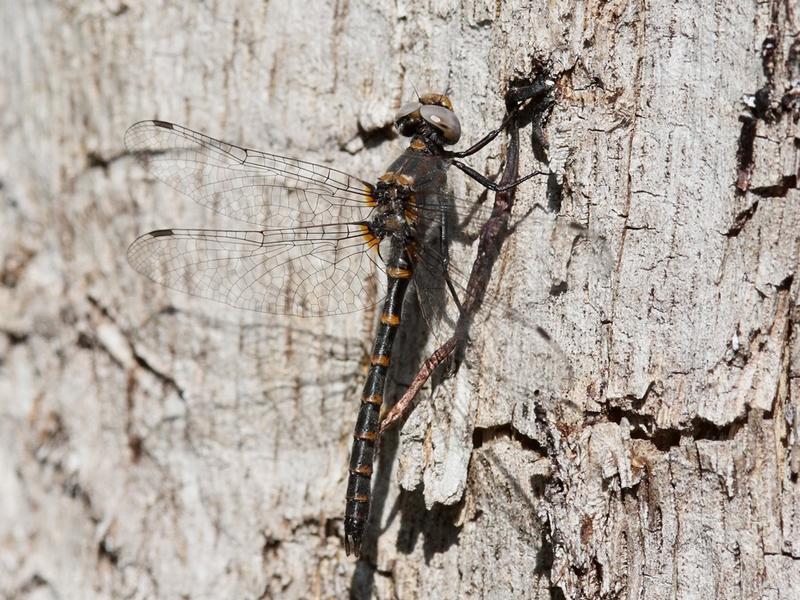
[[140, 360], [643, 426], [484, 435]]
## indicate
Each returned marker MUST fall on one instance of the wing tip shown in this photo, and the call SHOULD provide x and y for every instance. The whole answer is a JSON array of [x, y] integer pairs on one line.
[[132, 143], [140, 241]]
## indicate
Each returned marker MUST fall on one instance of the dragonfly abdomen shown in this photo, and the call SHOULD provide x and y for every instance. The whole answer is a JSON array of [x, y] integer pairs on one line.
[[365, 436]]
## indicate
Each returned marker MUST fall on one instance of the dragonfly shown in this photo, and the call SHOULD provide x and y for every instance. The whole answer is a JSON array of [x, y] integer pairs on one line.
[[326, 242]]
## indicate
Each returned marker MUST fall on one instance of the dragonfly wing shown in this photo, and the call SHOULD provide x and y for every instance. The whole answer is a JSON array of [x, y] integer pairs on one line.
[[304, 271], [249, 185]]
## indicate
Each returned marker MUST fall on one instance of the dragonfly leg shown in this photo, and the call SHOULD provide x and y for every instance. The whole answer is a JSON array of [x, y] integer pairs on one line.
[[403, 407], [480, 144], [488, 183], [515, 100]]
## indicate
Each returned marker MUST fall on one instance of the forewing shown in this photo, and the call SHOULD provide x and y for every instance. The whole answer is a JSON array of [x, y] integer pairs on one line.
[[267, 190], [304, 271]]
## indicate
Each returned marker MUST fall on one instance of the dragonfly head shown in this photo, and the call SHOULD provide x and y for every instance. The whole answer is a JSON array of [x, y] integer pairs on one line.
[[431, 117]]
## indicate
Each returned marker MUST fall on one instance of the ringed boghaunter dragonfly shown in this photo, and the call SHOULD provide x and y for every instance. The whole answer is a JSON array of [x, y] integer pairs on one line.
[[326, 240]]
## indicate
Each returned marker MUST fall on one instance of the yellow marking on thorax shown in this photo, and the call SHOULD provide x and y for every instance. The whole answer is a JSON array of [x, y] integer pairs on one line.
[[410, 212], [397, 178], [403, 179], [418, 145]]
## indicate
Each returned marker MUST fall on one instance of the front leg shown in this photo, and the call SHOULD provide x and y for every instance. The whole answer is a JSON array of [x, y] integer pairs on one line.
[[515, 99], [488, 183]]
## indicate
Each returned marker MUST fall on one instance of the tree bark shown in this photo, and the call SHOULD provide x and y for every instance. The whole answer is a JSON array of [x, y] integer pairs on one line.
[[162, 446]]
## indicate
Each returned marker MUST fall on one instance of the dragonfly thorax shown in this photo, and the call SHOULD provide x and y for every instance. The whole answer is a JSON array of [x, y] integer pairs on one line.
[[393, 214]]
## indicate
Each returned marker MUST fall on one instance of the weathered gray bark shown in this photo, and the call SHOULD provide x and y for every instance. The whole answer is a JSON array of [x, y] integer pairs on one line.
[[201, 452]]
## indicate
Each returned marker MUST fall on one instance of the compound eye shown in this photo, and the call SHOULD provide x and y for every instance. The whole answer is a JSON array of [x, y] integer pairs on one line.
[[444, 120], [407, 109]]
